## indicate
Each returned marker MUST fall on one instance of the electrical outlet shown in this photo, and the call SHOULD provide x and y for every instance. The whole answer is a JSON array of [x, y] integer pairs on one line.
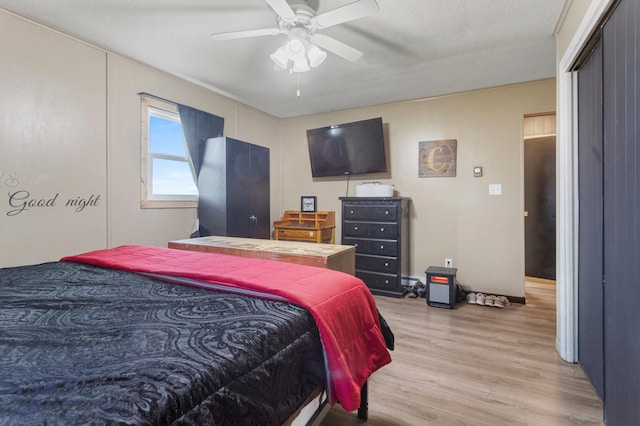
[[448, 263]]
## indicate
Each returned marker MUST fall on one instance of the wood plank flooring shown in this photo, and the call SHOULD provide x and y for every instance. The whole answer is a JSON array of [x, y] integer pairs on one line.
[[476, 365]]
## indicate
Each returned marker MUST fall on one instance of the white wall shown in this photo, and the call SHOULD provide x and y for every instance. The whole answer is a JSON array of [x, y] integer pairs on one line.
[[52, 144], [129, 224], [451, 217], [70, 125]]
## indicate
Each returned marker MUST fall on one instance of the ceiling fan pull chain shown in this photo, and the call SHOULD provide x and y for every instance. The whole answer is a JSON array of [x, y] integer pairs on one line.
[[298, 91]]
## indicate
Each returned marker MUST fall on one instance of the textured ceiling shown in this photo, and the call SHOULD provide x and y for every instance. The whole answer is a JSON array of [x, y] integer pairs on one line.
[[412, 48]]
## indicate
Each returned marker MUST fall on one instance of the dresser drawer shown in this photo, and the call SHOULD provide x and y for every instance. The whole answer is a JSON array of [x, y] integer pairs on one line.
[[380, 281], [379, 247], [377, 263], [369, 212], [383, 247], [297, 234], [355, 229], [381, 230], [361, 245]]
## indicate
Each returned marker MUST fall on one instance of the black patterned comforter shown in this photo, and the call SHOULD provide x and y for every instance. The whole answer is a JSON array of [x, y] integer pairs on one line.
[[80, 344]]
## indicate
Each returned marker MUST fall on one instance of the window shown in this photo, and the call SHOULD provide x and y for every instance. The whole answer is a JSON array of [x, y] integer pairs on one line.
[[167, 176]]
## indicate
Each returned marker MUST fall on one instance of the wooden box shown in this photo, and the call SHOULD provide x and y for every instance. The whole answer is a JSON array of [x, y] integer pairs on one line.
[[331, 256]]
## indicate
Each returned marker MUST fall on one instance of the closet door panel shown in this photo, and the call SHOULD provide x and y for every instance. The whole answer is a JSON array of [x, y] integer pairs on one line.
[[239, 188], [590, 253], [260, 196], [621, 77]]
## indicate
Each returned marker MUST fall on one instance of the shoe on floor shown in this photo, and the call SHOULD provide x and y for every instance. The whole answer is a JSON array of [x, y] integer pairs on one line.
[[489, 300], [498, 302], [480, 298], [471, 298], [504, 300]]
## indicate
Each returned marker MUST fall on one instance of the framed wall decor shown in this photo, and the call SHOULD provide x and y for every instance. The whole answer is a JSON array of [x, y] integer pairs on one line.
[[437, 158], [308, 203]]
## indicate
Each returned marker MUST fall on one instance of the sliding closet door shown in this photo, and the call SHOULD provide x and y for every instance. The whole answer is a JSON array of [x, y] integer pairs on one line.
[[590, 252], [621, 79]]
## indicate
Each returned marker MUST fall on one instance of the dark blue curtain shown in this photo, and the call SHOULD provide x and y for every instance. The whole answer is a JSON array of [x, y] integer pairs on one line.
[[198, 126]]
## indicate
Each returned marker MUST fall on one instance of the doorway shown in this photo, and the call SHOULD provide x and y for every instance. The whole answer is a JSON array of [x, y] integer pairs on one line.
[[540, 196]]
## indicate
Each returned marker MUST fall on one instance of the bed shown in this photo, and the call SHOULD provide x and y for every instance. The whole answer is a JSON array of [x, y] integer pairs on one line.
[[148, 335]]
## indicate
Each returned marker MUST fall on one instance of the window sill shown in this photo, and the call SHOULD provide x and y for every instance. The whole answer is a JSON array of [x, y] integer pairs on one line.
[[157, 204]]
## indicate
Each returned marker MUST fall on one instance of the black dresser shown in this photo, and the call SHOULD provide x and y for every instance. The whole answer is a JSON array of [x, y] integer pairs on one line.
[[379, 230]]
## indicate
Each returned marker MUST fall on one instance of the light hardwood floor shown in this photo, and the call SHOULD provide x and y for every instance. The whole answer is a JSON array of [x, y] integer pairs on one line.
[[476, 365]]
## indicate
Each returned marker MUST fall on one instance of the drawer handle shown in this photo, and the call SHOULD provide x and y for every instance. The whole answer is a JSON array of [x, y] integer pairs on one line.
[[381, 229], [355, 228], [355, 245], [381, 247], [351, 211], [386, 281], [386, 264], [386, 212]]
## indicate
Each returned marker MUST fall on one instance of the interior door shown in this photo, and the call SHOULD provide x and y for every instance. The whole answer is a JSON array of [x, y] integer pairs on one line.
[[540, 207]]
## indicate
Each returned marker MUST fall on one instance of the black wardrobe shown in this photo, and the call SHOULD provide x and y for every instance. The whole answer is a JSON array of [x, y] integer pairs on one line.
[[609, 213], [233, 188]]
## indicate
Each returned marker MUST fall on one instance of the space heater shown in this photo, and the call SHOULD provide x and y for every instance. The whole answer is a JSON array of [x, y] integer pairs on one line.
[[441, 287]]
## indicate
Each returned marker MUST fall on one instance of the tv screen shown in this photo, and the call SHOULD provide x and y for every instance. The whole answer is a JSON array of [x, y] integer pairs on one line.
[[347, 149]]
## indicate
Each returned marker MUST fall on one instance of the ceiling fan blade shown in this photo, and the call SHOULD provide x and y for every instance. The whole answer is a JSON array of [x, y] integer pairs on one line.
[[357, 9], [282, 8], [337, 47], [244, 34]]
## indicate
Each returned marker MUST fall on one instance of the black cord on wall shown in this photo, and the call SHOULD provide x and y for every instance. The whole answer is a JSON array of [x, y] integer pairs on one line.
[[347, 193]]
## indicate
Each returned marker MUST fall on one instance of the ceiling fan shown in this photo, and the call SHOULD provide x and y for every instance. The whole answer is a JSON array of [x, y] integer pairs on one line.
[[303, 48]]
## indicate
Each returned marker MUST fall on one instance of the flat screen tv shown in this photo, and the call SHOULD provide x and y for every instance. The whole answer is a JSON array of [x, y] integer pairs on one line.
[[347, 149]]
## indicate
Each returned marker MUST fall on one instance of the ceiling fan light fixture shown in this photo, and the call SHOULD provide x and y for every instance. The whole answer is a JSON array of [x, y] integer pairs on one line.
[[280, 57], [301, 65], [298, 54], [299, 21], [295, 48], [315, 55]]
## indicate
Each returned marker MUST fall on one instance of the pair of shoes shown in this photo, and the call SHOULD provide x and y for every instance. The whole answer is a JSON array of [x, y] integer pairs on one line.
[[415, 291], [501, 301], [497, 302], [487, 300], [480, 298], [490, 300], [471, 298], [504, 300]]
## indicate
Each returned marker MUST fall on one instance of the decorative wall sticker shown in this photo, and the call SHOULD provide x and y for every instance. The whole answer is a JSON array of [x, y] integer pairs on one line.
[[21, 201], [8, 179]]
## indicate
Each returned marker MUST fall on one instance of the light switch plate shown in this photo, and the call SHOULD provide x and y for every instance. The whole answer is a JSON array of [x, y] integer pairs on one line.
[[495, 189]]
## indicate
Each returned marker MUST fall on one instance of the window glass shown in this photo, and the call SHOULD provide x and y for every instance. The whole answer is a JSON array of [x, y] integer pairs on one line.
[[172, 178], [165, 135], [167, 176]]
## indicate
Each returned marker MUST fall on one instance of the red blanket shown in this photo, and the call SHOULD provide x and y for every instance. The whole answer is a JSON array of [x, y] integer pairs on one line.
[[341, 304]]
